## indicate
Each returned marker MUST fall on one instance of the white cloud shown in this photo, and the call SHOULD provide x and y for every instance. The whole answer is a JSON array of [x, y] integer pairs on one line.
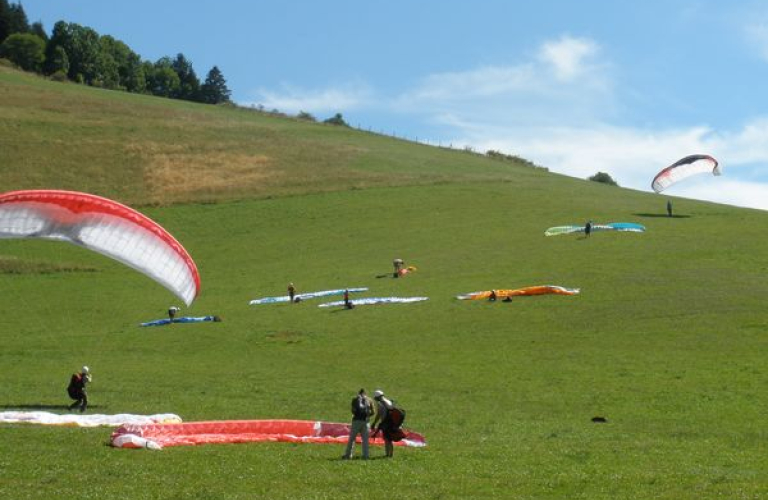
[[757, 36], [559, 108], [634, 156], [290, 99], [485, 82], [729, 192], [564, 81], [569, 57]]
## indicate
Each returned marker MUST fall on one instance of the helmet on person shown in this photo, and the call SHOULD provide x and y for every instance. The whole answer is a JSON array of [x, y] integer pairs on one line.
[[85, 370], [378, 393]]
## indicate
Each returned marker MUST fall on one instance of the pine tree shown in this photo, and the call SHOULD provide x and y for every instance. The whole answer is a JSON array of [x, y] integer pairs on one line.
[[189, 84], [18, 22], [214, 90], [5, 20]]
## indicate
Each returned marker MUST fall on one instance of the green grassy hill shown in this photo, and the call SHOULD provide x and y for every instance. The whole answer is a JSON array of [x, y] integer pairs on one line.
[[666, 340]]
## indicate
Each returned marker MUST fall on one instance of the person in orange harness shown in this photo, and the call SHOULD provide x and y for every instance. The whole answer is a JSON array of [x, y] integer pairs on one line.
[[76, 389]]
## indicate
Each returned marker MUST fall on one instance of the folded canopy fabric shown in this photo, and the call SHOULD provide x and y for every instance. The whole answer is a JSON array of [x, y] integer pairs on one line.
[[375, 300], [306, 296], [80, 420], [242, 431], [183, 319], [530, 290]]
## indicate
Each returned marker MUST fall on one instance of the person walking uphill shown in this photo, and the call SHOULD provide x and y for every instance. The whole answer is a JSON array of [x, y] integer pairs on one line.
[[77, 391], [362, 409]]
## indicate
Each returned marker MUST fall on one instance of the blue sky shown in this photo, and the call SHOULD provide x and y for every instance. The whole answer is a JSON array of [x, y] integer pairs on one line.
[[625, 86]]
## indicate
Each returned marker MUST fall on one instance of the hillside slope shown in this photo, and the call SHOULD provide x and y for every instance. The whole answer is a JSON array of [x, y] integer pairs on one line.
[[666, 340], [143, 149]]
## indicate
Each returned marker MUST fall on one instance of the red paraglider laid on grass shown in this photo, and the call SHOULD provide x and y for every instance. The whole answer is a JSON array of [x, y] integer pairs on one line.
[[158, 436]]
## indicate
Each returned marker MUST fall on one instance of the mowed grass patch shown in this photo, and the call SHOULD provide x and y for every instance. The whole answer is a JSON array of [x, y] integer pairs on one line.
[[665, 342]]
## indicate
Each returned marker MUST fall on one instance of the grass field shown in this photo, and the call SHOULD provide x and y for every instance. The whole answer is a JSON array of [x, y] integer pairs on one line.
[[666, 340]]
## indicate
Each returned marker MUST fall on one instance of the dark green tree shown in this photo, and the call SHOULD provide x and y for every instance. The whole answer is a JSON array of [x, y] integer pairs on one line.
[[18, 22], [214, 90], [120, 67], [5, 20], [162, 80], [603, 178], [56, 62], [189, 84], [36, 28], [81, 45], [25, 50], [337, 119]]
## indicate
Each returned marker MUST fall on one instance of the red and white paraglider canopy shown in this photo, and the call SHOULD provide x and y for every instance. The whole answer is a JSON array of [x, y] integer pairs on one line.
[[106, 227], [684, 168]]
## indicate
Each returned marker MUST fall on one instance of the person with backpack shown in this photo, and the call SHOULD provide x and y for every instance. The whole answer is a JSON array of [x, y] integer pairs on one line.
[[76, 389], [389, 418], [362, 409]]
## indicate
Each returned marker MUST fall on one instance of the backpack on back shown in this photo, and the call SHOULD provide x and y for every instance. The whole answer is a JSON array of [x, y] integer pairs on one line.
[[361, 409], [395, 417], [74, 387]]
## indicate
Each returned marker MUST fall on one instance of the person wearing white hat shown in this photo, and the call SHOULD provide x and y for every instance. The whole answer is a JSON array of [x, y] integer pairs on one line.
[[382, 412], [76, 389], [172, 312]]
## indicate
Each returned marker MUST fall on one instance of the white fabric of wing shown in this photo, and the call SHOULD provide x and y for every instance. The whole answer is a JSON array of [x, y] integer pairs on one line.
[[17, 222], [140, 249], [684, 171], [92, 420]]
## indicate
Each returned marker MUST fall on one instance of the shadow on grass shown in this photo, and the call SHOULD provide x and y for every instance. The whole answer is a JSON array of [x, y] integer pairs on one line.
[[358, 459], [42, 407], [341, 309], [665, 216]]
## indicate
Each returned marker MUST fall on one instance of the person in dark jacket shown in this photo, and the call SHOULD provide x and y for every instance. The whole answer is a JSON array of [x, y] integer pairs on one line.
[[362, 409], [77, 390]]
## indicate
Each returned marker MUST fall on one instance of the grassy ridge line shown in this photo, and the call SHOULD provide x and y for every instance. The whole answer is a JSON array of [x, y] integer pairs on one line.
[[665, 341], [147, 150]]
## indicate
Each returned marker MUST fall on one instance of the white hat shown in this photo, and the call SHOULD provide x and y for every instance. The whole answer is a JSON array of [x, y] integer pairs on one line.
[[378, 393], [85, 369]]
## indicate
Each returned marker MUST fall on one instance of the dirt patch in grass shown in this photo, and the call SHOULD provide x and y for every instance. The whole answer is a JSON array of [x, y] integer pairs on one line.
[[286, 337], [14, 265], [177, 172]]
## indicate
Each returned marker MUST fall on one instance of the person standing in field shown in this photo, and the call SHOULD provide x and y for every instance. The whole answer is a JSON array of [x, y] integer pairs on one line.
[[76, 389], [172, 312], [362, 409], [291, 292], [588, 228], [348, 303], [398, 264], [669, 208], [383, 408]]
